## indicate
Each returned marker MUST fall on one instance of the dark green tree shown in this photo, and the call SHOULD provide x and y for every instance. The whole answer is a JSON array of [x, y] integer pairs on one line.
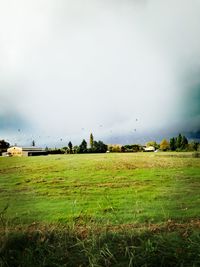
[[102, 147], [3, 146], [70, 147], [99, 147], [91, 141], [172, 144], [179, 141], [184, 142], [33, 143], [123, 149], [83, 147]]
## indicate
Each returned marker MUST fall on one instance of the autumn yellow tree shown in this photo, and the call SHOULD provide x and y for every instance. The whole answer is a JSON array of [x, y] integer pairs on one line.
[[164, 145]]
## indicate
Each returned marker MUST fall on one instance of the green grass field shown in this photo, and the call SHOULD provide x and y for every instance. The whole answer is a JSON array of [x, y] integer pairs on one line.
[[134, 209], [101, 188]]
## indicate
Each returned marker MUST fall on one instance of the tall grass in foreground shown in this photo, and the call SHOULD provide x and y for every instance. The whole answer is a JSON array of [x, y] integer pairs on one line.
[[170, 244]]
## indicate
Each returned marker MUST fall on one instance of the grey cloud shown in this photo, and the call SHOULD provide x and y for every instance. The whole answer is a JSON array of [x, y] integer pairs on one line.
[[10, 121]]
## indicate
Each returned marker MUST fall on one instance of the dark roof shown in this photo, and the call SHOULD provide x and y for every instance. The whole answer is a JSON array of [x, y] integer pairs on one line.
[[32, 149]]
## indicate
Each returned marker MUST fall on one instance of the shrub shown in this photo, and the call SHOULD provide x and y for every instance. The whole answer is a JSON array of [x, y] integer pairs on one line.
[[196, 154]]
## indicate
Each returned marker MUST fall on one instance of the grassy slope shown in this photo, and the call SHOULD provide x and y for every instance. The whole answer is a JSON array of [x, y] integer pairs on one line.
[[103, 189]]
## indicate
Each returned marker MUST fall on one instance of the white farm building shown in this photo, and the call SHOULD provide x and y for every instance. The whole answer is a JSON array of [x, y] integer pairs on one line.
[[25, 151], [149, 149]]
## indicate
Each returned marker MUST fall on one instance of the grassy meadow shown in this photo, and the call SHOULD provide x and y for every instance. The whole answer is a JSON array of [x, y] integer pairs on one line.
[[101, 188], [100, 197]]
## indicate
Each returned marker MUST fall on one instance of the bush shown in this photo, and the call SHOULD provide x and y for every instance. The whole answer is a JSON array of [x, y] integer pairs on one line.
[[114, 148], [196, 154], [56, 151]]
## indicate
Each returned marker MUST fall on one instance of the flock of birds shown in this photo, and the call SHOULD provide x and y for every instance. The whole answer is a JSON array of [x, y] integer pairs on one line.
[[22, 136]]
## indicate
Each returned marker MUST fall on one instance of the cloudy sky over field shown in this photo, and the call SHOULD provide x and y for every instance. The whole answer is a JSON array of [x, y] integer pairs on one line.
[[125, 70]]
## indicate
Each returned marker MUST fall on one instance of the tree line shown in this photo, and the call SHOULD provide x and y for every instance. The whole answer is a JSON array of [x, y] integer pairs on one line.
[[178, 143], [94, 147], [84, 147]]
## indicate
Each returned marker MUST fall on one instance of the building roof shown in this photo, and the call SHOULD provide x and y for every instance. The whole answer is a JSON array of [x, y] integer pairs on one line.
[[32, 148], [28, 149]]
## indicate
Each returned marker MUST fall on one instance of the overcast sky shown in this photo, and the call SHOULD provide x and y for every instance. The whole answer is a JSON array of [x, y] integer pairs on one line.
[[126, 70]]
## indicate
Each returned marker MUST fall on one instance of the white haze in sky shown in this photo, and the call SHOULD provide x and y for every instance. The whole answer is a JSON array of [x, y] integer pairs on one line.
[[114, 68]]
